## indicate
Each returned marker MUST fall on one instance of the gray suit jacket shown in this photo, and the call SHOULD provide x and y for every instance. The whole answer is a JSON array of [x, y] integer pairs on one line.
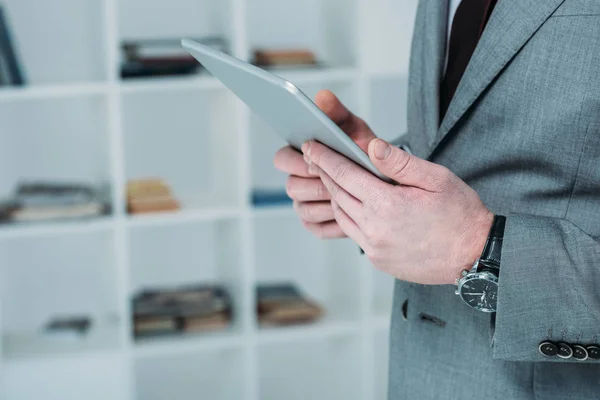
[[524, 131]]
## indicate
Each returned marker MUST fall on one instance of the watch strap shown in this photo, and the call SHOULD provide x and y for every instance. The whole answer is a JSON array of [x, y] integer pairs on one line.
[[492, 251]]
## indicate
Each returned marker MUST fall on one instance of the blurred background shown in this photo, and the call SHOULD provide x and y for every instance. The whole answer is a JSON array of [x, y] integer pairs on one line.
[[147, 248]]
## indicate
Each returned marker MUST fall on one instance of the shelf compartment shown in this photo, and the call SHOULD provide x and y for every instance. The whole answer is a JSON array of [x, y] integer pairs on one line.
[[213, 374], [175, 19], [389, 106], [90, 376], [58, 276], [387, 28], [324, 271], [265, 142], [66, 42], [382, 293], [60, 140], [381, 348], [189, 254], [318, 369], [320, 26], [189, 139]]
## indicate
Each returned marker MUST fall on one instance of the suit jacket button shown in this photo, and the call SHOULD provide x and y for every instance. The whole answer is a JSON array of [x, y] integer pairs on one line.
[[564, 350], [593, 352], [548, 349], [579, 352], [405, 310]]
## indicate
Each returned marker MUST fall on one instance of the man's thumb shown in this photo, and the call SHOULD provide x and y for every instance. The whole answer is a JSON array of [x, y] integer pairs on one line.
[[402, 167]]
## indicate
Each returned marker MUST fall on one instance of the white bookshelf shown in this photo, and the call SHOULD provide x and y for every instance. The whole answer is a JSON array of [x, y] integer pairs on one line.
[[77, 120]]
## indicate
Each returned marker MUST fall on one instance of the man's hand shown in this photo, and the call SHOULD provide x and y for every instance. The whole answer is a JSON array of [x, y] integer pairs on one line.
[[311, 198], [425, 230]]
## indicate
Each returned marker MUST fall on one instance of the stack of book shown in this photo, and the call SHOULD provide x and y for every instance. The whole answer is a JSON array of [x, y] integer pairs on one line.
[[162, 57], [40, 201], [181, 310], [150, 196], [292, 58], [284, 304]]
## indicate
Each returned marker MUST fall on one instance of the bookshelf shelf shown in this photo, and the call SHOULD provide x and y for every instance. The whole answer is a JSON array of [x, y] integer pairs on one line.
[[56, 228], [170, 84], [18, 346], [178, 345], [326, 328], [317, 75], [183, 217], [52, 91], [275, 211], [78, 121]]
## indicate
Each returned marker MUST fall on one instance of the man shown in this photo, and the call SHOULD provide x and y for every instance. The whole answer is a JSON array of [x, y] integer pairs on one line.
[[504, 129]]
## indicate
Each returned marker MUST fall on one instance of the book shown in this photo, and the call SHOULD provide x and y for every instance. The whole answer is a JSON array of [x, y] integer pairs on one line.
[[284, 304], [266, 198], [11, 66], [149, 196], [181, 302], [151, 326], [39, 213], [68, 327], [292, 57], [38, 194], [206, 323], [162, 57], [180, 310], [136, 69], [153, 205]]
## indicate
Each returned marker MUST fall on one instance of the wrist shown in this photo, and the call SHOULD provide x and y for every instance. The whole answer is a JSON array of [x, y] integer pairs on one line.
[[473, 242]]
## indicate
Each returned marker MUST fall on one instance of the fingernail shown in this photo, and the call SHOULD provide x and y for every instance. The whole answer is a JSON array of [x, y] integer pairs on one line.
[[382, 150], [306, 149], [312, 169], [306, 159]]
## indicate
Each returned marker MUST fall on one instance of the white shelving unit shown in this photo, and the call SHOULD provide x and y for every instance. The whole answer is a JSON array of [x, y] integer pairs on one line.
[[78, 121]]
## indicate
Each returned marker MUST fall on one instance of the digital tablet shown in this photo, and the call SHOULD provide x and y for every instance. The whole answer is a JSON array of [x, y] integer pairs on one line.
[[279, 103]]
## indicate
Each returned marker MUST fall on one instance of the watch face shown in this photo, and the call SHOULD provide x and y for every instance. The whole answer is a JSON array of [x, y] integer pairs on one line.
[[480, 291]]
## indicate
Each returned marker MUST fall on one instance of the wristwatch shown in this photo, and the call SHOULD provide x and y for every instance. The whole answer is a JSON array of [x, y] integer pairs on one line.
[[478, 288]]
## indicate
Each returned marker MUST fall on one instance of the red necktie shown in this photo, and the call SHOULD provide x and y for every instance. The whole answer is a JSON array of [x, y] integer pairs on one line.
[[469, 21]]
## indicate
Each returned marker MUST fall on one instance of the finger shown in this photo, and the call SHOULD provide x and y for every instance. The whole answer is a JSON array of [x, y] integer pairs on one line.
[[348, 226], [405, 168], [333, 107], [306, 189], [291, 162], [356, 128], [314, 211], [343, 199], [327, 230], [354, 179]]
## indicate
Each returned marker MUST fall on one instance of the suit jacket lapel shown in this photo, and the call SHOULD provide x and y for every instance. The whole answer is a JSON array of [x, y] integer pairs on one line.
[[510, 26], [433, 58]]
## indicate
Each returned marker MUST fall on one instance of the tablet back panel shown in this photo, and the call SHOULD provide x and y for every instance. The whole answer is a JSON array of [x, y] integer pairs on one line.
[[279, 103]]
